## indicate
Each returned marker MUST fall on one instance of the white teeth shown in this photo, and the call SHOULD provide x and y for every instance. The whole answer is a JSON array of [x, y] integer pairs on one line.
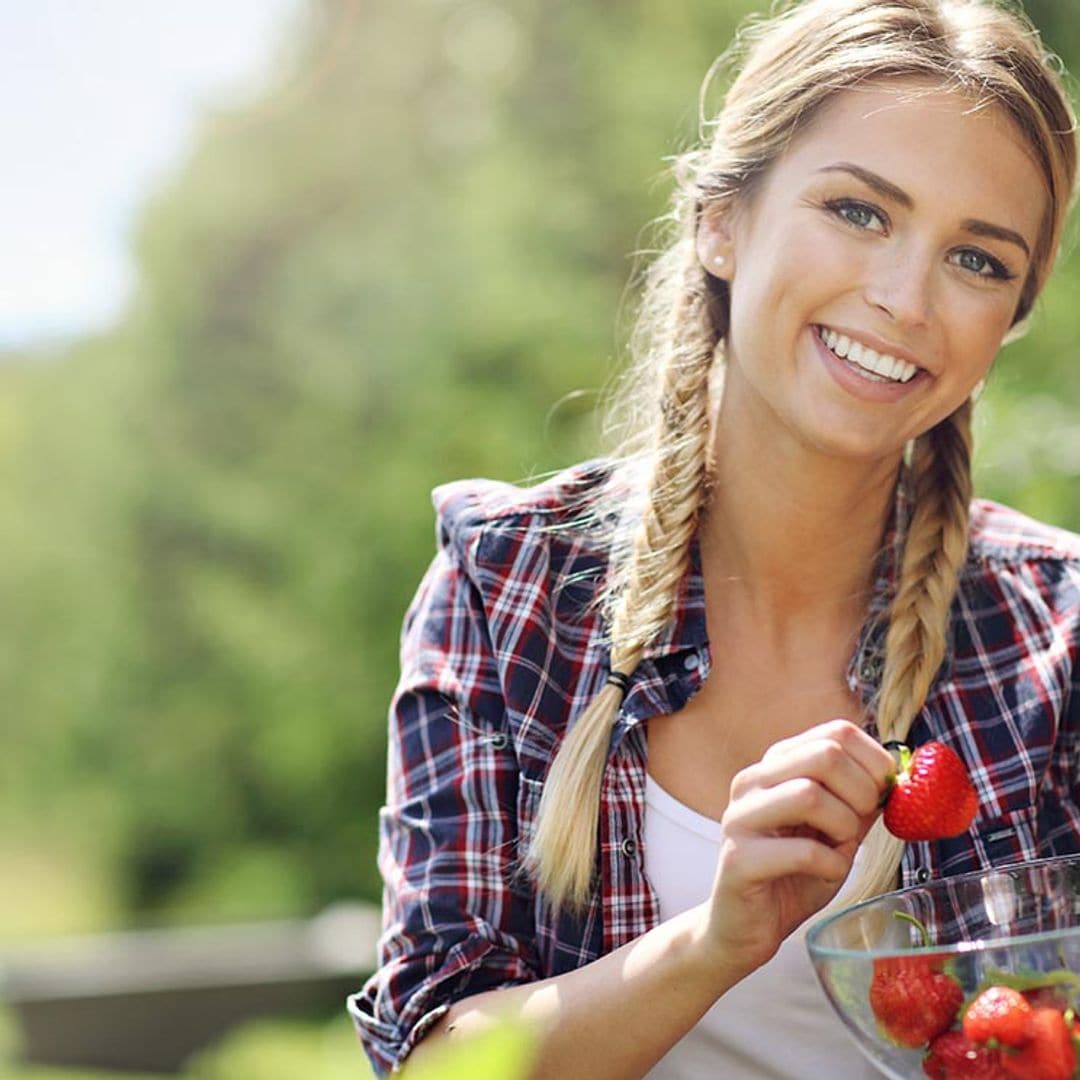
[[880, 364]]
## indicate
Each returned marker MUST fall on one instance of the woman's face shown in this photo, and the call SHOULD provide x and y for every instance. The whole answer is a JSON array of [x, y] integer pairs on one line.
[[875, 269]]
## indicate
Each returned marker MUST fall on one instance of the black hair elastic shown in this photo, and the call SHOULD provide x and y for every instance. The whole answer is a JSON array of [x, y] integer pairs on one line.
[[619, 679]]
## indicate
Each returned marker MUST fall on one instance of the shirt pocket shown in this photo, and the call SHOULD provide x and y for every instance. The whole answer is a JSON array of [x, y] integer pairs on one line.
[[1010, 838]]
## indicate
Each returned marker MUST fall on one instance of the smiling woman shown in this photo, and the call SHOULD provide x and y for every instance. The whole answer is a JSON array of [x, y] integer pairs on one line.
[[646, 710]]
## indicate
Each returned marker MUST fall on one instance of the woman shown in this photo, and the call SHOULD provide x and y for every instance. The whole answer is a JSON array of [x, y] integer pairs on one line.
[[638, 738]]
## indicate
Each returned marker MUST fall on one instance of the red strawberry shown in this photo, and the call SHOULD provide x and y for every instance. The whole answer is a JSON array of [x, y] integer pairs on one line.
[[1048, 1054], [913, 999], [999, 1013], [953, 1056], [933, 796]]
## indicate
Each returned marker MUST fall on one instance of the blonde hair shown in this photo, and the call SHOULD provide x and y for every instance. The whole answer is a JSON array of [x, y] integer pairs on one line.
[[792, 64]]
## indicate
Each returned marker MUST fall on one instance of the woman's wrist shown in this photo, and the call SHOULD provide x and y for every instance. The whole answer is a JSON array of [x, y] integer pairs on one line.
[[707, 959]]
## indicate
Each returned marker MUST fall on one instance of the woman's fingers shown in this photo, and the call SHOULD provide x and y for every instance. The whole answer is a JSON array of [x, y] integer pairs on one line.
[[801, 802], [824, 784], [752, 861], [851, 740], [840, 757]]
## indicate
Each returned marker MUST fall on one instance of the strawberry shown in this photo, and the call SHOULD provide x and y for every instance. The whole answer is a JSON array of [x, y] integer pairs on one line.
[[999, 1013], [953, 1056], [1048, 1054], [932, 796], [913, 999]]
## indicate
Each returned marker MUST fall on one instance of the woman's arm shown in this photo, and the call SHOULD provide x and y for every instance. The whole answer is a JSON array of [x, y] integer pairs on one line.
[[613, 1018], [792, 827]]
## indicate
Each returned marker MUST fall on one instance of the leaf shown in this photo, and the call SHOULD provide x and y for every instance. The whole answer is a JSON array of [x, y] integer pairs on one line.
[[503, 1053]]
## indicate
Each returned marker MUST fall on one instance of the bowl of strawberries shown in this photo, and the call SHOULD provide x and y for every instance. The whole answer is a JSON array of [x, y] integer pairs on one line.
[[975, 976]]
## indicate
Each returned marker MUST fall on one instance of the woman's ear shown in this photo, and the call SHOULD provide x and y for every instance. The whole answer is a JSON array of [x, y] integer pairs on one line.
[[715, 246]]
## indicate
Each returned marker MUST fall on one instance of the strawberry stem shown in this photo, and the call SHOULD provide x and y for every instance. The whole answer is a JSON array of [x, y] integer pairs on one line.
[[902, 755], [905, 917], [905, 758]]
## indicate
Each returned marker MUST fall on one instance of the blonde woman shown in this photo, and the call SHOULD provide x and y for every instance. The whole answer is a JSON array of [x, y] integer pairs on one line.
[[637, 741]]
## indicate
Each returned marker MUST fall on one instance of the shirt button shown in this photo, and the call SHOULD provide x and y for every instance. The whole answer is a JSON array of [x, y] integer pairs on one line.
[[692, 662], [922, 875], [628, 847], [498, 740]]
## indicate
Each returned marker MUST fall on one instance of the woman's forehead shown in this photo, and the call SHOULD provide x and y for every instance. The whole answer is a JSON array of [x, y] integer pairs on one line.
[[932, 142], [875, 111]]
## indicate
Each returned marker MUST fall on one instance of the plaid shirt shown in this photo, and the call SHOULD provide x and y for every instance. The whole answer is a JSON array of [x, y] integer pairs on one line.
[[503, 647]]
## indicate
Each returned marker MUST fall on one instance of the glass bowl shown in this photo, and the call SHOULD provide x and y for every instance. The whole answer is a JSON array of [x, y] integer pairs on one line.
[[1015, 925]]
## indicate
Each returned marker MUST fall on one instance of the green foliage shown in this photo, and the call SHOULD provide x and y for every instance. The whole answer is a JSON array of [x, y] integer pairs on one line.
[[320, 1050], [405, 264], [279, 1050], [283, 1050], [503, 1053]]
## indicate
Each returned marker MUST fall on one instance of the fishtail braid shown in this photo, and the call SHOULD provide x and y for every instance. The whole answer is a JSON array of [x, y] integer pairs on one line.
[[934, 552], [643, 586]]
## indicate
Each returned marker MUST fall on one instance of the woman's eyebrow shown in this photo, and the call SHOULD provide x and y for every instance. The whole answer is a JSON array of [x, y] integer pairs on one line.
[[871, 179], [996, 232], [889, 190]]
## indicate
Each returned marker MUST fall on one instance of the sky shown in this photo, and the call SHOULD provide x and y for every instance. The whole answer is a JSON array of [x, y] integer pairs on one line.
[[99, 99]]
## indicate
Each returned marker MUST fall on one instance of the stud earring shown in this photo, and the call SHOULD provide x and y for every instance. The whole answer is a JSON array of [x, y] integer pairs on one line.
[[719, 260]]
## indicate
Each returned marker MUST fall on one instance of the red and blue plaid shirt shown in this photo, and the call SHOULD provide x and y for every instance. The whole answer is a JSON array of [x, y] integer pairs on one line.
[[503, 646]]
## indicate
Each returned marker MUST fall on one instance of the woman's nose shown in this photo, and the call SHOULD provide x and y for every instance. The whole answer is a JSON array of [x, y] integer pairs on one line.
[[901, 285]]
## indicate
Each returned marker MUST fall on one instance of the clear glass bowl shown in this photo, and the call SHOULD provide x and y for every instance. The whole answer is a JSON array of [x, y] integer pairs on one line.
[[1015, 925]]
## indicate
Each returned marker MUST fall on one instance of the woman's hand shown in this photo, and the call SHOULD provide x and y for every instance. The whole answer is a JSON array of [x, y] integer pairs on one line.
[[791, 829]]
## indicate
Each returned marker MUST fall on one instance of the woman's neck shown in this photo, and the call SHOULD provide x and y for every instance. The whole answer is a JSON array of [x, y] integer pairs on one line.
[[795, 533]]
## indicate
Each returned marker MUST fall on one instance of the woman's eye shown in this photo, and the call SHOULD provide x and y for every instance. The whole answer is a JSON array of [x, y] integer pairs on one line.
[[979, 263], [858, 214]]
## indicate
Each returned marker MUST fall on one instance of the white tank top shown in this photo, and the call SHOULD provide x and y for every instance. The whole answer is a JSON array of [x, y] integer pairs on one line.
[[775, 1023]]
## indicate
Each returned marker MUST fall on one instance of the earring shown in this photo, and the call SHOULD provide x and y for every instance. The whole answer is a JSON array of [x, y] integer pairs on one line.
[[719, 260]]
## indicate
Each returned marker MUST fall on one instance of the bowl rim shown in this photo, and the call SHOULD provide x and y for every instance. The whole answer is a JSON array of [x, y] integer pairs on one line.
[[822, 924]]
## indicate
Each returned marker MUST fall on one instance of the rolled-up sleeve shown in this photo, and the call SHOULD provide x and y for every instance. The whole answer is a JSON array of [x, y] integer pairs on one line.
[[457, 907]]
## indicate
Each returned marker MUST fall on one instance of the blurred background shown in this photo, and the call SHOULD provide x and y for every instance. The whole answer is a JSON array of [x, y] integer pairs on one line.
[[271, 270]]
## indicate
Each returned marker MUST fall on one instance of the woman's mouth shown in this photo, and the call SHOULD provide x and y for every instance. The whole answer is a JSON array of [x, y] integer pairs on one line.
[[875, 366]]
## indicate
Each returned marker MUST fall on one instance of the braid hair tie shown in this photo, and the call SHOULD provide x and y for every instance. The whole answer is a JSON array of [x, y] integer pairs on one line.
[[621, 680]]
